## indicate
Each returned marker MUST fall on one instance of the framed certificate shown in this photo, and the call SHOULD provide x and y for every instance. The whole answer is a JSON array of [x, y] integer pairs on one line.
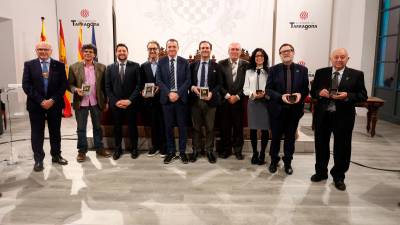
[[204, 92], [86, 89], [149, 89], [333, 92], [292, 98]]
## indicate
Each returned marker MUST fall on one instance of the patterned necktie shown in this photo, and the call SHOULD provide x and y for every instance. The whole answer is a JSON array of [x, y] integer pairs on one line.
[[288, 80], [203, 74], [172, 74], [122, 71], [45, 72], [234, 71], [258, 79], [335, 81]]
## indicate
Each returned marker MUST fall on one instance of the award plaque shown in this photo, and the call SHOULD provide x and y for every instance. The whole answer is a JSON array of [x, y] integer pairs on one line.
[[333, 92], [203, 92], [45, 75], [292, 98], [149, 89], [259, 92], [86, 89]]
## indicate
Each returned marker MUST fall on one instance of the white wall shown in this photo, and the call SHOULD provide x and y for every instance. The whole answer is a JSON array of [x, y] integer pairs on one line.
[[354, 27], [25, 16]]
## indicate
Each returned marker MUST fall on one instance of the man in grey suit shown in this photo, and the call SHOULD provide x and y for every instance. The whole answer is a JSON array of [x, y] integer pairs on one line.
[[234, 72]]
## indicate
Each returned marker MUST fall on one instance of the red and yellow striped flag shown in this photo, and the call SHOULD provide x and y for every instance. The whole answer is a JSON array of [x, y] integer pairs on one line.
[[43, 33], [63, 58], [80, 56]]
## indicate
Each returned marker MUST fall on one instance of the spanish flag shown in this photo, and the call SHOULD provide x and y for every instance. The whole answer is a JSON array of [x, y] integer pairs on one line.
[[80, 56], [63, 58], [43, 33]]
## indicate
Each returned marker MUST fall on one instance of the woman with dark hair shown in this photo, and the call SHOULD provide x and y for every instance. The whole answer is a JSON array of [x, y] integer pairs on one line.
[[257, 113]]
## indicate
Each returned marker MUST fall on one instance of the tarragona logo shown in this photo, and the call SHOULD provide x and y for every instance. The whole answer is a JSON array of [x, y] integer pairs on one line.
[[84, 13], [303, 15]]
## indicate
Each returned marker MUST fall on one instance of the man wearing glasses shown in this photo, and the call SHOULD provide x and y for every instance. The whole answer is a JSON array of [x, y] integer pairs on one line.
[[152, 109], [86, 82], [44, 82], [287, 86]]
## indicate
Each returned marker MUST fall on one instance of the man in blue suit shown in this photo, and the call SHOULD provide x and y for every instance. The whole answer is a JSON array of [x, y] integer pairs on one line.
[[287, 86], [44, 82], [173, 79]]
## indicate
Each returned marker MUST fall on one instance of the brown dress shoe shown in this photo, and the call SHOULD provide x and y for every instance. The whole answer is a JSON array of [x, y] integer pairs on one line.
[[104, 152], [81, 157]]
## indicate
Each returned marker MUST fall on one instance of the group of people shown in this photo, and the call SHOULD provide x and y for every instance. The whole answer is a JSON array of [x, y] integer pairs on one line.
[[276, 103]]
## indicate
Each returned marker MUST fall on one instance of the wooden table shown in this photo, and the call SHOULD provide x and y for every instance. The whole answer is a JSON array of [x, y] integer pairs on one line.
[[372, 104]]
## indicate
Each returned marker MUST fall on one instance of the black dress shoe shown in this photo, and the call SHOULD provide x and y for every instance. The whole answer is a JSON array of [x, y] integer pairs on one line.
[[117, 154], [193, 157], [134, 154], [261, 159], [340, 185], [254, 158], [60, 160], [168, 159], [38, 166], [225, 155], [239, 156], [288, 169], [184, 158], [318, 177], [273, 167], [211, 157]]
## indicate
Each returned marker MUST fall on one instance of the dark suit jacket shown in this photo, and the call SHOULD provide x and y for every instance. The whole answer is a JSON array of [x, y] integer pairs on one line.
[[228, 86], [214, 81], [129, 89], [276, 86], [183, 78], [352, 82], [76, 77], [32, 83]]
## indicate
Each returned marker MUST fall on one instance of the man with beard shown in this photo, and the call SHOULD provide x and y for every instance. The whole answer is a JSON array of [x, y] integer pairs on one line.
[[123, 88]]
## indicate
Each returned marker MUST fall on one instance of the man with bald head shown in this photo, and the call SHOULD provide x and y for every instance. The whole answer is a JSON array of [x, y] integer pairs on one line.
[[234, 72], [337, 89], [44, 82]]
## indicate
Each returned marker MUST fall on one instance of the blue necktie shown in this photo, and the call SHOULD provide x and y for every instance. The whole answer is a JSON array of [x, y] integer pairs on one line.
[[203, 74], [45, 69], [172, 75]]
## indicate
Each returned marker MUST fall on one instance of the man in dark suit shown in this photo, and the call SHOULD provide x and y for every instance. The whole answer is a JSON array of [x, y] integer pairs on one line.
[[44, 82], [234, 74], [173, 78], [287, 87], [336, 89], [151, 104], [88, 74], [206, 77], [122, 89]]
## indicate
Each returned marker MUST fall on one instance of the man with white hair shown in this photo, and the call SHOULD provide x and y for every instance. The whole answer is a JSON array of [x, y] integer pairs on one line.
[[44, 82], [337, 89]]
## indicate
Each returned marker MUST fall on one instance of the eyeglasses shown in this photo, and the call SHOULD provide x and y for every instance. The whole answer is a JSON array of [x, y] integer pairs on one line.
[[286, 51], [152, 49], [43, 49]]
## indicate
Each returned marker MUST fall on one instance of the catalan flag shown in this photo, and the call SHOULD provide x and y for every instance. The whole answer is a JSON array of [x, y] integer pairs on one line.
[[43, 33], [63, 58]]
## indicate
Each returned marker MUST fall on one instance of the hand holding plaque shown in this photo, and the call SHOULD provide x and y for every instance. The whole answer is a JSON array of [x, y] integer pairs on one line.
[[333, 92], [204, 92], [86, 89], [149, 90]]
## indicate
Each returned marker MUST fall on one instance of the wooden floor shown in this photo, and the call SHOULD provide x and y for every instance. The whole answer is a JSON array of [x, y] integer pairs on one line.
[[145, 191]]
